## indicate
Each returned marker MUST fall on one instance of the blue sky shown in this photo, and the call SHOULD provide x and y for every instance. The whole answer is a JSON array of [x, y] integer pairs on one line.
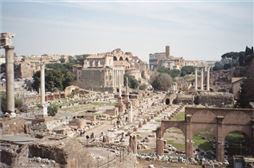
[[193, 29]]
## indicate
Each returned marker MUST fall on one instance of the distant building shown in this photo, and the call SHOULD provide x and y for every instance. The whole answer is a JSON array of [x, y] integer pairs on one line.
[[165, 59], [105, 71], [236, 86], [26, 66]]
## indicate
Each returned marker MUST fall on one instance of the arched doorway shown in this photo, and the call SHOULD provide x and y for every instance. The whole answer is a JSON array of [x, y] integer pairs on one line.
[[175, 140], [115, 58], [121, 59], [204, 145], [236, 143]]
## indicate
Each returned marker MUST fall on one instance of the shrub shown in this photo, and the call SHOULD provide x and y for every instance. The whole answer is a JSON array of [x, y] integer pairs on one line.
[[52, 109]]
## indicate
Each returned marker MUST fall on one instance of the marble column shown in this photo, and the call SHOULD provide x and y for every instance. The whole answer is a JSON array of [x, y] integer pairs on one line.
[[208, 79], [120, 90], [43, 103], [196, 78], [9, 56], [126, 89], [202, 79]]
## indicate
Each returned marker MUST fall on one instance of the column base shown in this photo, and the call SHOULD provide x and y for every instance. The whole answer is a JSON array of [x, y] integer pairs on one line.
[[13, 115], [45, 110]]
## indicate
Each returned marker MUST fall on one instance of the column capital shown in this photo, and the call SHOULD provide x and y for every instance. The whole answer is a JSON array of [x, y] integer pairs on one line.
[[188, 118], [9, 47]]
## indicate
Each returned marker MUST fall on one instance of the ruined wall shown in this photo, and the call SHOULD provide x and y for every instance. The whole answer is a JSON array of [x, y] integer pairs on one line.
[[12, 126], [92, 78], [216, 99], [49, 152], [96, 79]]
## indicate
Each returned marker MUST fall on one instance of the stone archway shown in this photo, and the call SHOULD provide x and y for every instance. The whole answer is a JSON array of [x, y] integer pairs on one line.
[[174, 139], [221, 120], [237, 143]]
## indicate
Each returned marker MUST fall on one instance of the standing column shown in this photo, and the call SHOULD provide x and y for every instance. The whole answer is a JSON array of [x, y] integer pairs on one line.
[[208, 79], [130, 115], [9, 56], [188, 136], [159, 142], [202, 79], [196, 78], [252, 137], [126, 91], [220, 140], [43, 104], [114, 79], [117, 77], [120, 90]]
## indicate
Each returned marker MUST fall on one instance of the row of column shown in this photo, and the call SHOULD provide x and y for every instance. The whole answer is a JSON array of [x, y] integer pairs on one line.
[[118, 78], [202, 78]]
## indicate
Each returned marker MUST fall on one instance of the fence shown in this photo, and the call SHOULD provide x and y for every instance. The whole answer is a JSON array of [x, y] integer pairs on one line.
[[117, 160]]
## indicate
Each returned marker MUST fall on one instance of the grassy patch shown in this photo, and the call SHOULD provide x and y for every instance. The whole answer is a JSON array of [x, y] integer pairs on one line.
[[83, 107], [201, 142], [158, 120], [180, 116], [178, 146], [98, 104], [234, 137], [236, 144]]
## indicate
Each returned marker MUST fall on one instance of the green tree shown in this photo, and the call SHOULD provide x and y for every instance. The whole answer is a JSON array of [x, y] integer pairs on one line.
[[62, 60], [52, 109], [143, 87], [163, 70], [161, 82], [217, 66], [186, 70], [247, 87], [72, 60], [57, 77], [174, 73], [132, 82], [227, 66]]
